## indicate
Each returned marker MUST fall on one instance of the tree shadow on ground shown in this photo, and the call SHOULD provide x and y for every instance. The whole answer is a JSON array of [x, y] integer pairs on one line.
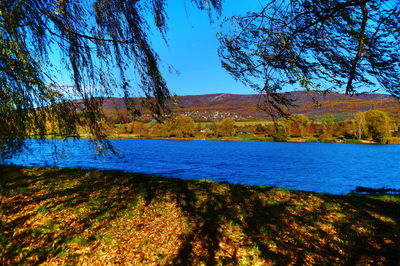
[[43, 211]]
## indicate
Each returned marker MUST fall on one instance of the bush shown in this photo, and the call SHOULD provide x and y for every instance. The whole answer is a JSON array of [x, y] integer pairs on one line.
[[136, 128], [159, 130], [378, 125], [299, 124], [226, 128], [181, 126], [282, 133]]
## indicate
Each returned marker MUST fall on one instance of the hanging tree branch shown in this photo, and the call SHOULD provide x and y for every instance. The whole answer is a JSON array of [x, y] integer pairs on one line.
[[310, 45], [95, 39], [360, 48]]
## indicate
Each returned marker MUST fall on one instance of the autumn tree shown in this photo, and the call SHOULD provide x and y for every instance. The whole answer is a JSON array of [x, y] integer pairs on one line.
[[378, 125], [159, 130], [327, 122], [181, 126], [345, 129], [226, 128], [212, 126], [301, 123], [282, 130], [94, 39], [137, 128], [361, 127], [260, 129], [331, 45]]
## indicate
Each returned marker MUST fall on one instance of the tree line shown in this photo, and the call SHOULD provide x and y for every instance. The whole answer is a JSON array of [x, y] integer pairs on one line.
[[372, 125]]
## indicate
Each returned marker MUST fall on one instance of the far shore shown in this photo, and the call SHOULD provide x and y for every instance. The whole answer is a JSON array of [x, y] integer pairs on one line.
[[248, 138]]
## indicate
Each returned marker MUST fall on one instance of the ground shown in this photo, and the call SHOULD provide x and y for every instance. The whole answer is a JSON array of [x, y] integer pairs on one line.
[[72, 216]]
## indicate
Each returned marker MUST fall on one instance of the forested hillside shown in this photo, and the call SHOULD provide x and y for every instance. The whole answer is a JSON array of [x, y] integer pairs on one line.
[[210, 107]]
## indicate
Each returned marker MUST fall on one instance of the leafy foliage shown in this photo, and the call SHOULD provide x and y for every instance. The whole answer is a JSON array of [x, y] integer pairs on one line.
[[282, 131], [361, 129], [378, 125], [226, 128], [301, 122], [160, 130], [375, 124], [136, 128], [330, 45], [93, 38], [181, 126]]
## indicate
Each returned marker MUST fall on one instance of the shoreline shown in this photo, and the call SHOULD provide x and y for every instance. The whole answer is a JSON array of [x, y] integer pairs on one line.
[[236, 138], [358, 190]]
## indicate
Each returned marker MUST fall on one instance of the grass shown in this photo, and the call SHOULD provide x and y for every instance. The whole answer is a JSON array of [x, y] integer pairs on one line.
[[239, 123], [251, 137], [72, 216], [394, 140], [253, 123], [356, 141]]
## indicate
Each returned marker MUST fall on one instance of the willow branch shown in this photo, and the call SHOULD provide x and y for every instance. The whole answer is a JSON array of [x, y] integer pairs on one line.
[[352, 74]]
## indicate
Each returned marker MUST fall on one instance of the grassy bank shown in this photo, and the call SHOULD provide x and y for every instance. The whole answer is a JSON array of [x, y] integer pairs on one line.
[[70, 216], [245, 138]]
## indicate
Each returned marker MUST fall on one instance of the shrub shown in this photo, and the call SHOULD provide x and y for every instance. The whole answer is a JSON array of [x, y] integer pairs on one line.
[[282, 131], [378, 125], [159, 130], [226, 128], [299, 124], [181, 126]]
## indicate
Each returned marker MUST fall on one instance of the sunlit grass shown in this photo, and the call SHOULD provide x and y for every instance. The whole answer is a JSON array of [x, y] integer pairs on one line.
[[71, 216]]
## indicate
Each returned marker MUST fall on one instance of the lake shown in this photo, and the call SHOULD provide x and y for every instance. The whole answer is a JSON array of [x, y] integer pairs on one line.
[[322, 167]]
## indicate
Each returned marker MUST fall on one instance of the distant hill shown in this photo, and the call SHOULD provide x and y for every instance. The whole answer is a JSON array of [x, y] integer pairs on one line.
[[217, 106]]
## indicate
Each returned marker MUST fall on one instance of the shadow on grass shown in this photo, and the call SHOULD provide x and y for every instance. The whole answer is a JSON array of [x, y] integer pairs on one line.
[[227, 224]]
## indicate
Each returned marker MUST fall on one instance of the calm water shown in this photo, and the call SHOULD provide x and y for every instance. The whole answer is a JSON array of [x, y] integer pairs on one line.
[[331, 168]]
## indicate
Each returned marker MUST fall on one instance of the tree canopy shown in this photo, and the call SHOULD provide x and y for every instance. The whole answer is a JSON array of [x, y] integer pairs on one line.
[[226, 128], [181, 126], [93, 39], [332, 45]]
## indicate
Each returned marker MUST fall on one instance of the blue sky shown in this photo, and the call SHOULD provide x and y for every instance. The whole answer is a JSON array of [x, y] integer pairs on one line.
[[193, 49]]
